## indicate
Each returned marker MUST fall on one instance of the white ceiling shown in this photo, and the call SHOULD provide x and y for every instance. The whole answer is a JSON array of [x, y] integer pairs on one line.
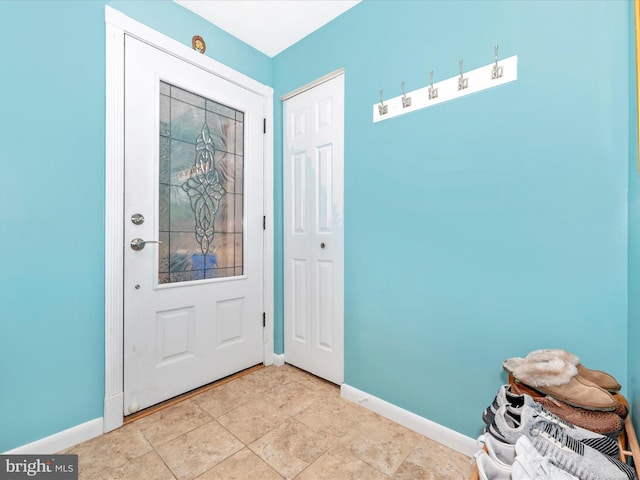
[[269, 26]]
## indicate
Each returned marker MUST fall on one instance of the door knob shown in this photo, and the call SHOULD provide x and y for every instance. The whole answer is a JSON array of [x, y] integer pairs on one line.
[[138, 244]]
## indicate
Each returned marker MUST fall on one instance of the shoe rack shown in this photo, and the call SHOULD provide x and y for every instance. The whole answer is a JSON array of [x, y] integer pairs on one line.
[[627, 440]]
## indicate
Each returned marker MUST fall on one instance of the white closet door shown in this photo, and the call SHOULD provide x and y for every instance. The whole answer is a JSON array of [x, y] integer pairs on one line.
[[314, 230]]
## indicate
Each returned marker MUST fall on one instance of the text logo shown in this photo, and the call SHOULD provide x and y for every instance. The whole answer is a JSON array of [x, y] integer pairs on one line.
[[49, 467]]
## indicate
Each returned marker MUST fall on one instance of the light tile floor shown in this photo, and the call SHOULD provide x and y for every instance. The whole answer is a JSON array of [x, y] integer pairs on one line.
[[271, 424]]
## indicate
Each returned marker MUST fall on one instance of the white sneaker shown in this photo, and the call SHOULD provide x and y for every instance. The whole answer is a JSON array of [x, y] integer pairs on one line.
[[488, 469], [530, 465], [502, 453]]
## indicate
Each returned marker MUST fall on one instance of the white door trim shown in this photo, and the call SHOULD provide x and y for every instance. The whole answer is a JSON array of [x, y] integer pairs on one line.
[[315, 83], [117, 26]]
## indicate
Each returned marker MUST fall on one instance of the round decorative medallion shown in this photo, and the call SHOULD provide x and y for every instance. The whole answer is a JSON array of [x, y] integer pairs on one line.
[[197, 42]]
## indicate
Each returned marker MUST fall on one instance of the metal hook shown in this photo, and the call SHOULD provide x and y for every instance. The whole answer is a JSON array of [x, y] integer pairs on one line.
[[433, 92], [382, 108], [462, 82], [496, 72], [406, 101]]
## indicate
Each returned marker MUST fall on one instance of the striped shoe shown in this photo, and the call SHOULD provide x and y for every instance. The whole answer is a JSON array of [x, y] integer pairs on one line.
[[510, 423], [574, 457], [530, 465], [602, 443], [503, 397]]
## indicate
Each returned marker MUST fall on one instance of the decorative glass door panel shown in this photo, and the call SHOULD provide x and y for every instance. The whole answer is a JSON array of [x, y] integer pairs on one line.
[[200, 189]]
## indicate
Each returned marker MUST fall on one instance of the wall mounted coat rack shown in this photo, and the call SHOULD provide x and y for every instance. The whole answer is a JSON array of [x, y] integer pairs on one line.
[[492, 75]]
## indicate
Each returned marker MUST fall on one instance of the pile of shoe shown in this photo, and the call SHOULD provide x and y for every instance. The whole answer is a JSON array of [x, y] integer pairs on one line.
[[558, 420]]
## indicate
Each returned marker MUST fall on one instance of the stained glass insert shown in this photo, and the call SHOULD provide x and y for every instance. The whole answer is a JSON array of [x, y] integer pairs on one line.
[[201, 192]]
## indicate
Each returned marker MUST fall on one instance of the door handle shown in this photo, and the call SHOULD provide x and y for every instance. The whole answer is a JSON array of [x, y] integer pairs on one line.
[[138, 244]]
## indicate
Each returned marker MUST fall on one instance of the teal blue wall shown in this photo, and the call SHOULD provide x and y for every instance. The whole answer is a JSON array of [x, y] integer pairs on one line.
[[485, 227], [633, 388], [179, 23], [52, 202], [476, 230], [52, 218]]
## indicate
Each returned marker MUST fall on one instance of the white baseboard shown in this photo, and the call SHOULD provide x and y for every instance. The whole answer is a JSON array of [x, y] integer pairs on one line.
[[441, 434], [278, 360], [61, 440]]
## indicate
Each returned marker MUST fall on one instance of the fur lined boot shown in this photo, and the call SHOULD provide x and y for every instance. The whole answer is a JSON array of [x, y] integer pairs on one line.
[[600, 378], [557, 376]]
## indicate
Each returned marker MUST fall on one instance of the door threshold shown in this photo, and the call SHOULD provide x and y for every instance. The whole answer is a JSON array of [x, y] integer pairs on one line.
[[190, 394]]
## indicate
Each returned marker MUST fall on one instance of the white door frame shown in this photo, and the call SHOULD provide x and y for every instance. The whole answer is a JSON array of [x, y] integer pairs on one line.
[[117, 26]]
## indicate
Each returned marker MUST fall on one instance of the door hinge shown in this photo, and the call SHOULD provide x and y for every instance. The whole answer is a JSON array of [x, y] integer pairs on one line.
[[264, 222], [264, 319], [264, 125]]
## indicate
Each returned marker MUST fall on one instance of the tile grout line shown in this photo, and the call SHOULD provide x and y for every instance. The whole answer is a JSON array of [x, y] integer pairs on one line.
[[165, 463]]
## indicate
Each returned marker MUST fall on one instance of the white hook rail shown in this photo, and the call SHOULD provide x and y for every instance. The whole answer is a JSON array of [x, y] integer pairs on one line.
[[483, 78]]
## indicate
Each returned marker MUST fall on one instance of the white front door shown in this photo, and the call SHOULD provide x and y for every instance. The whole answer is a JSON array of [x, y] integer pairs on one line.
[[314, 230], [193, 246]]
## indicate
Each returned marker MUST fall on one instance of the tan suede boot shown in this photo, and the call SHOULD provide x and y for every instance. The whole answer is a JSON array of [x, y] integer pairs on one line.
[[600, 378], [559, 379], [582, 393]]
